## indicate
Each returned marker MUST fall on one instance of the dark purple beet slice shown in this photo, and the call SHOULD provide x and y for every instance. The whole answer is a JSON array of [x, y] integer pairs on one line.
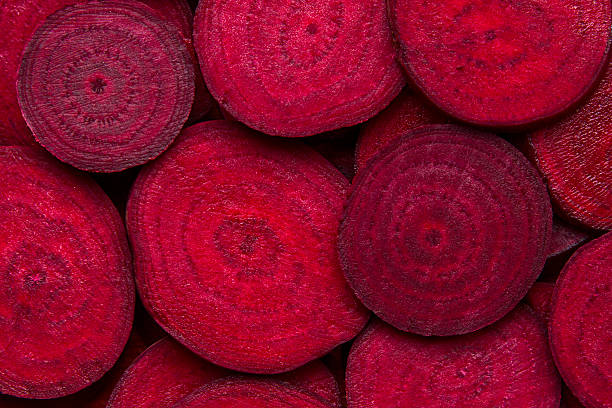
[[430, 227], [564, 238], [539, 298], [505, 365], [106, 85], [581, 324], [243, 270], [502, 63], [66, 290], [293, 68]]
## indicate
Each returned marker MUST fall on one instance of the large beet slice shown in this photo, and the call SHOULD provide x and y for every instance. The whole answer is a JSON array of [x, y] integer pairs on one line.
[[502, 63], [297, 68], [243, 270], [581, 324], [430, 227], [66, 290], [106, 85], [505, 365], [574, 157]]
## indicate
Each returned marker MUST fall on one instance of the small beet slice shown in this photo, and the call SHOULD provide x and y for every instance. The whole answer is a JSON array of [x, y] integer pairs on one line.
[[581, 328], [431, 223], [66, 290], [500, 63], [316, 378], [574, 157], [243, 270], [539, 298], [105, 86], [564, 238], [505, 365], [297, 69]]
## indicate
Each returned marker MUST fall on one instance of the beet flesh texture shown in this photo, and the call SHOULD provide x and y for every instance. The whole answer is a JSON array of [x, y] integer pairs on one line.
[[581, 328], [105, 86], [507, 364], [431, 224], [499, 63], [539, 298], [63, 249], [297, 69], [574, 157], [243, 269]]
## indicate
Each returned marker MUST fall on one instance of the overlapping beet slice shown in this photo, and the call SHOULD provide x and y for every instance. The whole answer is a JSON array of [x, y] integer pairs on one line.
[[500, 63], [66, 291], [430, 227], [243, 269], [564, 238], [292, 68], [539, 298], [106, 85], [507, 364], [580, 326]]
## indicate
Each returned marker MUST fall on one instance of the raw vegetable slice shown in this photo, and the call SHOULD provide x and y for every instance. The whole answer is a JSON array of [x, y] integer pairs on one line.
[[316, 378], [539, 298]]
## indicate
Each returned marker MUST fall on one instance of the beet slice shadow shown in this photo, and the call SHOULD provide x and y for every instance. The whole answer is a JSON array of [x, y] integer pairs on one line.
[[105, 86], [503, 64], [539, 298], [63, 250], [431, 223], [243, 270]]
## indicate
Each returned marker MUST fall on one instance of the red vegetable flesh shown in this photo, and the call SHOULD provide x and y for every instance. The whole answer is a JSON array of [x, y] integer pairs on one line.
[[316, 378], [431, 224], [63, 250], [581, 327], [243, 270], [106, 85], [500, 63], [293, 69], [539, 298]]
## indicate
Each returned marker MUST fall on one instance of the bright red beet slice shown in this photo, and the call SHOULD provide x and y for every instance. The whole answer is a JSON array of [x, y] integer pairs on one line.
[[504, 365], [430, 227], [316, 378], [243, 270], [539, 298], [66, 291], [581, 327], [120, 98], [574, 157], [298, 68], [500, 63]]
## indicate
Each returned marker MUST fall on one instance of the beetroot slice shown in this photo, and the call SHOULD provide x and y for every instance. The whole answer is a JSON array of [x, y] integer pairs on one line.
[[581, 327], [505, 365], [564, 238], [574, 157], [243, 270], [120, 98], [62, 250], [500, 63], [297, 68], [539, 298], [430, 227], [316, 378]]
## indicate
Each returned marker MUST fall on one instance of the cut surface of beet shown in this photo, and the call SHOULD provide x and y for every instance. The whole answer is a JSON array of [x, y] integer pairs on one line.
[[105, 86], [580, 325], [564, 238], [539, 298], [66, 290], [431, 224], [243, 269], [499, 63], [316, 378], [506, 364], [574, 157], [292, 68]]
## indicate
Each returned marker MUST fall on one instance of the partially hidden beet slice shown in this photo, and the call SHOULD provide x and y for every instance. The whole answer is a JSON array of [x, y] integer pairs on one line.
[[581, 328], [564, 238], [105, 86], [574, 157], [507, 364], [539, 298], [243, 270], [66, 291], [500, 63], [316, 378], [295, 69], [431, 224]]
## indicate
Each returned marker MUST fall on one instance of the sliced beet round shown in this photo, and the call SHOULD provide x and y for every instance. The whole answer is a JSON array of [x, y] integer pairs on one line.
[[293, 68], [431, 224], [539, 298], [105, 86], [66, 290], [505, 365], [243, 270], [581, 328], [574, 157], [502, 63]]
